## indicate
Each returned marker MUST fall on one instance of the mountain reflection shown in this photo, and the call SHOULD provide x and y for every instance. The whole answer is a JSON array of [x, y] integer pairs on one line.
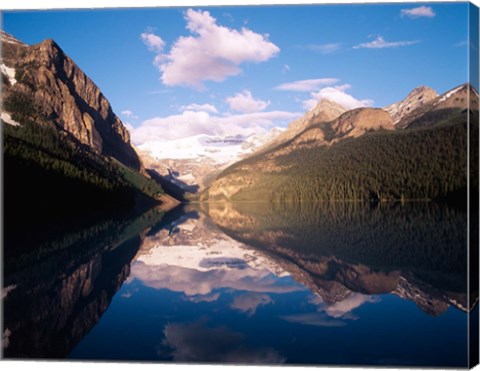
[[199, 259], [50, 308], [228, 282], [338, 250]]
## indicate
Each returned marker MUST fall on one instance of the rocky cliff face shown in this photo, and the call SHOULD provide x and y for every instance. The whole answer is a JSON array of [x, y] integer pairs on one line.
[[43, 78], [415, 99], [353, 123], [324, 111], [426, 102]]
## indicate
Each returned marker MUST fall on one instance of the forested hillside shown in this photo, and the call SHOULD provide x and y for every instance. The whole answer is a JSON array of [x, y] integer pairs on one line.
[[427, 161]]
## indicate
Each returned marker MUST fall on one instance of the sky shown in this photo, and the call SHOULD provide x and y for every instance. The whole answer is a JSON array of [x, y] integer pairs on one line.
[[174, 72]]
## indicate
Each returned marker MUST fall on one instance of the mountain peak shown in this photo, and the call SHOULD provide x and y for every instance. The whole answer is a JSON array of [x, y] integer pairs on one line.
[[50, 43], [329, 110], [62, 92], [324, 111], [415, 99], [420, 89], [327, 103]]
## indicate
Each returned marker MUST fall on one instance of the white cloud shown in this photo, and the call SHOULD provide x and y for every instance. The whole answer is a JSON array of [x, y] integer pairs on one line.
[[129, 114], [200, 107], [325, 48], [250, 301], [306, 85], [338, 95], [420, 11], [380, 43], [244, 102], [211, 53], [286, 68], [190, 123], [154, 42]]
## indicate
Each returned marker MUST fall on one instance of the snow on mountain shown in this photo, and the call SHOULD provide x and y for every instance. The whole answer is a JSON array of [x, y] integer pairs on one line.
[[415, 99], [7, 38], [9, 72], [202, 259], [6, 118], [220, 149], [460, 97], [450, 93], [192, 158]]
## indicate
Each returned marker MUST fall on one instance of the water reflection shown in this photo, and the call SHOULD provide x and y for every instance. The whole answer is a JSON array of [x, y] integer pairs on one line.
[[198, 259], [254, 283], [54, 294], [417, 251]]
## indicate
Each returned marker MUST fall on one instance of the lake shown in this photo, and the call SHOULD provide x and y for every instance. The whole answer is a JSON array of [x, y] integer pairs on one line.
[[249, 283]]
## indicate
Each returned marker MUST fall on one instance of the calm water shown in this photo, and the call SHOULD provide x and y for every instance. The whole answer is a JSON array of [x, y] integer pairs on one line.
[[249, 283]]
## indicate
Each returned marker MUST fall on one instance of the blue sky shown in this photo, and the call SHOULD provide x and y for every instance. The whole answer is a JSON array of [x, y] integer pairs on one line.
[[261, 64]]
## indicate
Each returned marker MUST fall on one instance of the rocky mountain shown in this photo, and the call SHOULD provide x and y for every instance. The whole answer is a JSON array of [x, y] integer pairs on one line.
[[363, 154], [191, 162], [65, 151], [325, 111], [430, 104], [415, 99], [44, 80]]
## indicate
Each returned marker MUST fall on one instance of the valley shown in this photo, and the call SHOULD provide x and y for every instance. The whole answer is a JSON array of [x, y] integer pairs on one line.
[[248, 185]]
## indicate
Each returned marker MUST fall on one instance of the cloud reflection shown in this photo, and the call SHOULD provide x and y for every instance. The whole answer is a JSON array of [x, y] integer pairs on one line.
[[313, 319], [250, 302], [196, 282], [196, 342], [345, 307]]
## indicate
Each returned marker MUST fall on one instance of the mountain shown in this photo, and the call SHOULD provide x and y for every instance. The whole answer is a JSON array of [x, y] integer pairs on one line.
[[190, 162], [66, 153], [461, 97], [41, 81], [364, 155], [415, 99], [324, 111]]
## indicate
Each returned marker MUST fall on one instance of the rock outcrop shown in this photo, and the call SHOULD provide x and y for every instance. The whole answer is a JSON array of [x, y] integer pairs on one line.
[[44, 78], [324, 111], [415, 99], [431, 105]]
